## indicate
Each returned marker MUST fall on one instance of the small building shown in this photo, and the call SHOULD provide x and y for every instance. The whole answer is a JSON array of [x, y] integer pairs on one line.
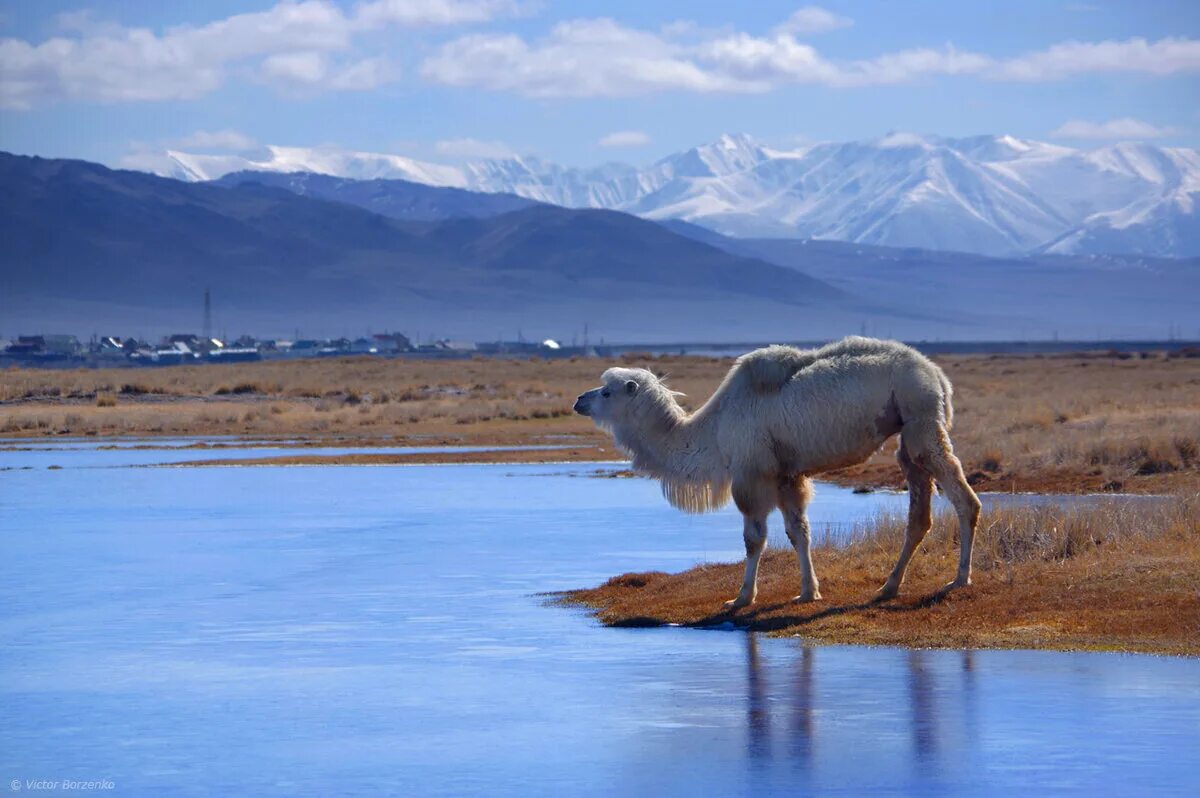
[[390, 343], [192, 342], [233, 354], [62, 344], [27, 345]]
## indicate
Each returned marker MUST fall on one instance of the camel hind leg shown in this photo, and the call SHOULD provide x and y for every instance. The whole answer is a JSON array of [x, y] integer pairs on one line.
[[920, 519], [933, 452]]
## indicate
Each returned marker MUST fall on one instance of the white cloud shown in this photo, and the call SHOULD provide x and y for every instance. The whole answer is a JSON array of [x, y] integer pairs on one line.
[[105, 62], [580, 58], [602, 58], [473, 148], [1163, 57], [362, 75], [217, 140], [763, 62], [813, 19], [415, 13], [1123, 128], [305, 67], [625, 138]]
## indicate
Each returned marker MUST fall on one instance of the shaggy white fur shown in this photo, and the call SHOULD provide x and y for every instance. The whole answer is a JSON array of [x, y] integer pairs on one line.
[[780, 415]]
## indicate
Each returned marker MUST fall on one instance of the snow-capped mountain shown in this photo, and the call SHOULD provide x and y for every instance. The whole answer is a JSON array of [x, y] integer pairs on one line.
[[987, 194], [322, 161]]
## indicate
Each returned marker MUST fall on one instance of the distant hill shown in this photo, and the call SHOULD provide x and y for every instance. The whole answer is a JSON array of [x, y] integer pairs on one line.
[[399, 199], [89, 249], [1073, 296]]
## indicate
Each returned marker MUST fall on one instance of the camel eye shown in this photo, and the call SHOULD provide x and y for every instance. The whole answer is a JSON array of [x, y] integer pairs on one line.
[[604, 393]]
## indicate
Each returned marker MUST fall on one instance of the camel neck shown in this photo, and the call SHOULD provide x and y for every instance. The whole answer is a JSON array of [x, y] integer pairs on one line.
[[672, 444]]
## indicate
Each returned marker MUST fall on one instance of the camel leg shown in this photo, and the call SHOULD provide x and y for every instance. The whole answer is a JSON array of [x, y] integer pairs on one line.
[[920, 519], [794, 496], [948, 471], [754, 533]]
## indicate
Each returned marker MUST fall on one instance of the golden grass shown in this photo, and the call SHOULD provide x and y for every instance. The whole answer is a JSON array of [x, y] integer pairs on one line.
[[1070, 423], [1118, 576], [1062, 423]]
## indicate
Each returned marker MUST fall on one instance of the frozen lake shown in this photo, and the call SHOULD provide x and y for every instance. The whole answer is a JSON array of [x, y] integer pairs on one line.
[[365, 631]]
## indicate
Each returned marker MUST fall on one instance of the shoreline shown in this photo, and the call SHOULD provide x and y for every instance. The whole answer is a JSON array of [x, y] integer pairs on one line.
[[525, 447], [1110, 577]]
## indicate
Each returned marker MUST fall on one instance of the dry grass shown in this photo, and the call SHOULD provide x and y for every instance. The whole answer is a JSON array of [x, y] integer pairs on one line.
[[1119, 576], [1077, 423], [1063, 423]]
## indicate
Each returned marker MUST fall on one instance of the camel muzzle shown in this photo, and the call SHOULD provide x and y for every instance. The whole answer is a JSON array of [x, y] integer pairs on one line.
[[582, 406]]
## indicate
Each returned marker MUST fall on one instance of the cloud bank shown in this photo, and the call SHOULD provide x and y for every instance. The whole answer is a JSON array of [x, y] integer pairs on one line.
[[318, 45], [305, 43]]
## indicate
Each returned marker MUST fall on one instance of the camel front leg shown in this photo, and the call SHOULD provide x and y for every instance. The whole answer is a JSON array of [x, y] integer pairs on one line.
[[794, 496], [754, 533]]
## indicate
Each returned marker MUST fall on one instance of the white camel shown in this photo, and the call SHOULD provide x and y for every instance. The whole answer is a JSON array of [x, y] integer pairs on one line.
[[780, 415]]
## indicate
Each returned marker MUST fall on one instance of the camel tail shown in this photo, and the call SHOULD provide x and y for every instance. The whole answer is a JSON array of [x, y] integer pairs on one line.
[[947, 400]]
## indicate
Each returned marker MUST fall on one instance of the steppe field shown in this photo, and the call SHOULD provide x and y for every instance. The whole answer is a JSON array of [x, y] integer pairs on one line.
[[1071, 423]]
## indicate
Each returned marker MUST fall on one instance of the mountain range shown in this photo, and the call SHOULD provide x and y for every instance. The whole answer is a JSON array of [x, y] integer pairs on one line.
[[995, 195], [89, 249], [131, 252]]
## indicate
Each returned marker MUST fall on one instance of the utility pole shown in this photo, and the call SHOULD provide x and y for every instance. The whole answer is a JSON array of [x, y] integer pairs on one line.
[[207, 315]]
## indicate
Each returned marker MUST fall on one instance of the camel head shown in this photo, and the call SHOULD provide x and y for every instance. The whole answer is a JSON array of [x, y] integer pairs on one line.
[[627, 398]]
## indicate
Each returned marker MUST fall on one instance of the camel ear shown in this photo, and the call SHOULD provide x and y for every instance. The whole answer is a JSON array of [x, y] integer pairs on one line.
[[631, 387]]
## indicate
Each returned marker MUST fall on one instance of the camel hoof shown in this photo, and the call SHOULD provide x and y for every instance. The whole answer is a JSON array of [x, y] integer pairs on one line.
[[887, 592], [738, 603], [804, 598], [957, 583]]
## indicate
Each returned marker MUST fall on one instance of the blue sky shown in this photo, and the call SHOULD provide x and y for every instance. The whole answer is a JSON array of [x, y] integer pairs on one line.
[[583, 82]]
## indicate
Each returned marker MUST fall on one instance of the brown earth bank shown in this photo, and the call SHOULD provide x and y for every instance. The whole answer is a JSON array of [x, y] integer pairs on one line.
[[1115, 577], [1069, 423]]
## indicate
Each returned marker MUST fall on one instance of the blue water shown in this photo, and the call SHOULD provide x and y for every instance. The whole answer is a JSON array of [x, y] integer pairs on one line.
[[106, 454], [366, 631]]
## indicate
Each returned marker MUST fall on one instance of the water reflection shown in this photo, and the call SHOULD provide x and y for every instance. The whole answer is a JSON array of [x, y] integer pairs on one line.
[[800, 739], [922, 708], [758, 713], [938, 703]]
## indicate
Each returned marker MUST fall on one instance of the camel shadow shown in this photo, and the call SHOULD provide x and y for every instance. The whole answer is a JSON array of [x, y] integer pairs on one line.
[[752, 617]]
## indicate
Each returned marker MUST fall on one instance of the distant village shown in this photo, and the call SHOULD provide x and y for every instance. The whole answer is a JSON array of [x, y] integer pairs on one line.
[[67, 351]]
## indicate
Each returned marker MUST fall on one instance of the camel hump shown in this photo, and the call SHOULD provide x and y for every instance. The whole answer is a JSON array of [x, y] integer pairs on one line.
[[767, 370]]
